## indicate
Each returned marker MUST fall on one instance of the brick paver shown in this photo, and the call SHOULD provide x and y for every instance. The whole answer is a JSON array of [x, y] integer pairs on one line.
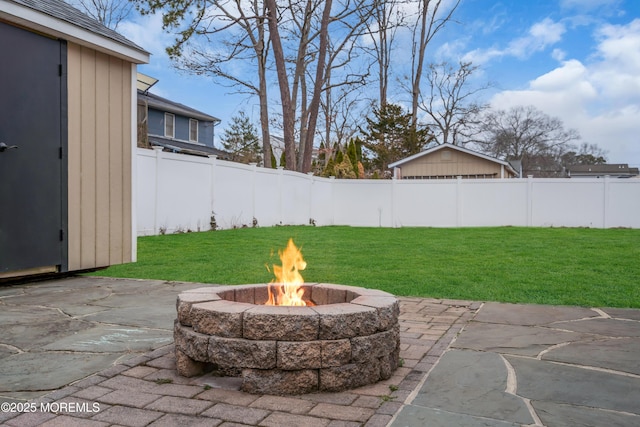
[[132, 398], [125, 416], [173, 420], [30, 419], [235, 413], [179, 405], [279, 419], [146, 390]]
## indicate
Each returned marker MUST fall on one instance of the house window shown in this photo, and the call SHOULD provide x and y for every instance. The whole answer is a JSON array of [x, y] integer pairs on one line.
[[169, 125], [193, 130]]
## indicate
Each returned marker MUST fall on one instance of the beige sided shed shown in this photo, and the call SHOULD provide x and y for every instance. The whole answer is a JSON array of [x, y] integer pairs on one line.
[[448, 161], [67, 140]]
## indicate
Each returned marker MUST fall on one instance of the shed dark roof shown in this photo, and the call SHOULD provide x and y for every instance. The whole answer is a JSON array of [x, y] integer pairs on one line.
[[169, 106], [60, 10]]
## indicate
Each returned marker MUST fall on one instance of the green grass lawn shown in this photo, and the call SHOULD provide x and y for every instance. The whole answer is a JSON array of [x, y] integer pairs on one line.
[[569, 266]]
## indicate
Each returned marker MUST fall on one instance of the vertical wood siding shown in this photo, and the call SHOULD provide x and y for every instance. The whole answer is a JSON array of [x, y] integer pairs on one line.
[[449, 163], [99, 159]]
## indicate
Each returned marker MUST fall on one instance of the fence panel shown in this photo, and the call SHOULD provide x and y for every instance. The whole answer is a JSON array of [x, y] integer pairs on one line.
[[362, 203], [321, 211], [567, 203], [146, 193], [486, 202], [623, 203], [296, 198], [177, 192], [415, 204], [268, 197], [183, 204], [233, 203]]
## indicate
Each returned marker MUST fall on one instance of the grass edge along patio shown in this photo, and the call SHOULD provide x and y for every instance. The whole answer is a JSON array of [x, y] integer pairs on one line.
[[558, 266]]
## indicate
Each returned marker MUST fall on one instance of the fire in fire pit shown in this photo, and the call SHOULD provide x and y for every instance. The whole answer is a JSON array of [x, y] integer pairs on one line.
[[343, 337], [288, 278]]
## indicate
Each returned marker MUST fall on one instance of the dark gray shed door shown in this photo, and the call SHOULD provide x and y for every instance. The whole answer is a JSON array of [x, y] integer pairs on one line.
[[32, 176]]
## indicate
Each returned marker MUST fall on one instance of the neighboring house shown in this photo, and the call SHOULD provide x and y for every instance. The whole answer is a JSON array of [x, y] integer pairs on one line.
[[68, 131], [175, 126], [621, 170], [448, 161]]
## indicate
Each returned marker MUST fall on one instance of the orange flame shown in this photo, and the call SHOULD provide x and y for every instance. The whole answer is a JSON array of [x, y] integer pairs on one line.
[[288, 280]]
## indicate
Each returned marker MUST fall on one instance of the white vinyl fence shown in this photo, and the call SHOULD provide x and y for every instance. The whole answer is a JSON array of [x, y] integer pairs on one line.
[[177, 192]]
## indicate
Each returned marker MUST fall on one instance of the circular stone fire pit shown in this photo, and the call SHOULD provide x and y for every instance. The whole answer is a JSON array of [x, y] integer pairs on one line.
[[348, 339]]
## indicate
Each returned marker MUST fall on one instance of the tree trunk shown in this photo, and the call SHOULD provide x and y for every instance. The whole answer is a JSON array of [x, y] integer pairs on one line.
[[264, 123], [288, 119], [262, 95], [314, 106], [430, 24], [383, 52], [415, 85]]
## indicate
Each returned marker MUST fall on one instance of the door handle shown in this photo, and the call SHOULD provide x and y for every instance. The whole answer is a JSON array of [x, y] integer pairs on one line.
[[5, 147]]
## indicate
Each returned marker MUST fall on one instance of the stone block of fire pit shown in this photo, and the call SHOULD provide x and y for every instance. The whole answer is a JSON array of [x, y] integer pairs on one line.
[[345, 337]]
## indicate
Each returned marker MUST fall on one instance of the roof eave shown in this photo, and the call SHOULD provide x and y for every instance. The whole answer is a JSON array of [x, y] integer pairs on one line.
[[166, 105], [185, 113], [50, 25]]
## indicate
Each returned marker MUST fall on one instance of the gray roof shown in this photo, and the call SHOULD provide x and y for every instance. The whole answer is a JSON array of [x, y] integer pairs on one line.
[[60, 10], [616, 169], [169, 106], [186, 147]]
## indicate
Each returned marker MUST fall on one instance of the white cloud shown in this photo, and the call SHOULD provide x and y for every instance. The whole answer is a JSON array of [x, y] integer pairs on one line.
[[147, 33], [601, 99], [618, 68], [547, 32], [540, 36], [558, 54], [569, 77]]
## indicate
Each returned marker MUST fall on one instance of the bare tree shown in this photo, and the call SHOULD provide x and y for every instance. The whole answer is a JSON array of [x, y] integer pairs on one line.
[[381, 30], [341, 115], [344, 75], [312, 118], [527, 134], [296, 36], [216, 38], [450, 102], [431, 19], [288, 110], [109, 12], [318, 51]]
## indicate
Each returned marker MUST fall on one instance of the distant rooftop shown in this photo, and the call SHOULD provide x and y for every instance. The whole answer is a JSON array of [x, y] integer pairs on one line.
[[167, 105], [186, 147], [615, 169]]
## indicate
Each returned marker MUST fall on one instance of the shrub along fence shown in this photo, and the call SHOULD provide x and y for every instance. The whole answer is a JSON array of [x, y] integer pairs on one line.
[[177, 192]]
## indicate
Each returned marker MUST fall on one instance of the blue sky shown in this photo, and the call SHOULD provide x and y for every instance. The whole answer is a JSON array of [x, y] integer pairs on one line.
[[578, 60]]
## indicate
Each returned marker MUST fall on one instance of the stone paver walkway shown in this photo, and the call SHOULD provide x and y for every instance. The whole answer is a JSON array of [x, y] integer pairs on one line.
[[531, 365], [98, 352], [60, 330]]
